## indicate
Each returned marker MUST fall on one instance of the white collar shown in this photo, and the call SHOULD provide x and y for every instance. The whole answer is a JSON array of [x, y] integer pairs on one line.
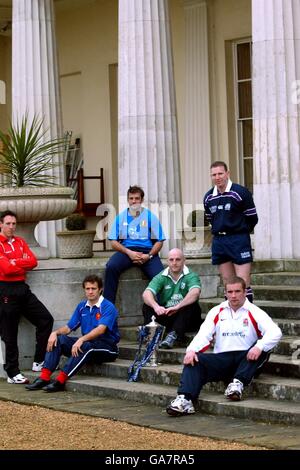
[[100, 300], [166, 272], [246, 305], [216, 192]]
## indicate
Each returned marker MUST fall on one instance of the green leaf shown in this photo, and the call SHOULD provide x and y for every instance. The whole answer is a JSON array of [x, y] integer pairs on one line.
[[26, 156]]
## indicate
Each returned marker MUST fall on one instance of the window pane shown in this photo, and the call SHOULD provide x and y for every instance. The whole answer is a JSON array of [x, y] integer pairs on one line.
[[243, 61], [245, 99], [247, 138], [248, 172]]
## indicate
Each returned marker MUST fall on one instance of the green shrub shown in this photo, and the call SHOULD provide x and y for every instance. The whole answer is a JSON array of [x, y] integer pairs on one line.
[[75, 222]]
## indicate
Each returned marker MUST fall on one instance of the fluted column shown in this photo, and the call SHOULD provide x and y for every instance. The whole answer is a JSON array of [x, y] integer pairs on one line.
[[148, 145], [2, 92], [35, 80], [197, 110], [276, 69]]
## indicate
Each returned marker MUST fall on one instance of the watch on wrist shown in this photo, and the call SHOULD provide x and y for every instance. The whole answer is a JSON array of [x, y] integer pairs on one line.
[[150, 256]]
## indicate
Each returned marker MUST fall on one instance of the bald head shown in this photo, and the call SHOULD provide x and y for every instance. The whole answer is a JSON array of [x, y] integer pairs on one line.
[[176, 261]]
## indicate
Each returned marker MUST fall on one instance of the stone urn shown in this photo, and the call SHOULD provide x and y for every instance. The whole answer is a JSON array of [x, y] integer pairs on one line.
[[33, 204], [76, 243]]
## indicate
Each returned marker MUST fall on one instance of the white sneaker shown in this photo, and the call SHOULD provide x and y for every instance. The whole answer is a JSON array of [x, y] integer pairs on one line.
[[18, 379], [234, 390], [37, 366], [180, 406]]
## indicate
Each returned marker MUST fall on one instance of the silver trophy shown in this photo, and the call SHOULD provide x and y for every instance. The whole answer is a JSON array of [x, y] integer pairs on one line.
[[155, 333]]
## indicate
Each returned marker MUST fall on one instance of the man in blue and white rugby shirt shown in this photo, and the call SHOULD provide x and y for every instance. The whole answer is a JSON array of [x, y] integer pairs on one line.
[[97, 318]]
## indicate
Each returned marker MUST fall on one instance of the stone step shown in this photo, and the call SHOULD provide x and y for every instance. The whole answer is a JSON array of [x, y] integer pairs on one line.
[[275, 308], [265, 386], [288, 345], [262, 410], [276, 279], [288, 328], [271, 292], [282, 365]]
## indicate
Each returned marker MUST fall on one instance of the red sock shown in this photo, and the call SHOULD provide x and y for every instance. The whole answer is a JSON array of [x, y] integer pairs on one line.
[[62, 377], [46, 374]]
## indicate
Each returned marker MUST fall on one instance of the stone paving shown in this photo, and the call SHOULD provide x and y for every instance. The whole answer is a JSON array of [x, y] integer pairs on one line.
[[217, 427]]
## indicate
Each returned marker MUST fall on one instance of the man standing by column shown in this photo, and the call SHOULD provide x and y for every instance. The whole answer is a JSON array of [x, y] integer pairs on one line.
[[230, 210], [16, 299]]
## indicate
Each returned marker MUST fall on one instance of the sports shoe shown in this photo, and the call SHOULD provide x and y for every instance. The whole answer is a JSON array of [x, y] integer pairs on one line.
[[169, 340], [17, 379], [180, 406], [37, 366], [234, 390]]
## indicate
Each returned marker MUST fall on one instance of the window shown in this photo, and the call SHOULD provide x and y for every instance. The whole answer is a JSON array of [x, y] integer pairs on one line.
[[242, 54]]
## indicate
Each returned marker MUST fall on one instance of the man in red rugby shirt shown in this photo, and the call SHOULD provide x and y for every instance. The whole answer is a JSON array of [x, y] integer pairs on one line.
[[16, 299]]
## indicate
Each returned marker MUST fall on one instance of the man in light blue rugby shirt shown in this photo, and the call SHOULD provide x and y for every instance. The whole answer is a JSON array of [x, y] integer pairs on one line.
[[137, 237]]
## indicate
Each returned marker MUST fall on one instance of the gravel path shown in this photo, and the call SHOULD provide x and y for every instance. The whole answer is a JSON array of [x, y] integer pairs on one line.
[[36, 428]]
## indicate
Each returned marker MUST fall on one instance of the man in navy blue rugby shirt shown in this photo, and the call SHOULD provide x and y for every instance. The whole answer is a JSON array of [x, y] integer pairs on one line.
[[230, 210], [97, 318]]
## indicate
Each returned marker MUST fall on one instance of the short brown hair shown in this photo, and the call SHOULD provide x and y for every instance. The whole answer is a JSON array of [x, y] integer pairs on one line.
[[136, 189], [6, 213], [236, 280], [93, 279], [219, 163]]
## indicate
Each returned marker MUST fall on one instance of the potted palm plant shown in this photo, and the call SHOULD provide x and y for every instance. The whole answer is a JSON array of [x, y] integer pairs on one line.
[[26, 185], [75, 241], [197, 235]]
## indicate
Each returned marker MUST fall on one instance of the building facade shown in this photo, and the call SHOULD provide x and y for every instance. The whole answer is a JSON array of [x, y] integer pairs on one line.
[[155, 90]]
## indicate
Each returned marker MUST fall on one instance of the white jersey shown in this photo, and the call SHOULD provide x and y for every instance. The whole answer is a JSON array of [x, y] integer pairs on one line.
[[236, 331]]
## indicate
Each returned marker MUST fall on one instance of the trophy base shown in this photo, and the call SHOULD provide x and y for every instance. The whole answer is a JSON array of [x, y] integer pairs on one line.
[[152, 364]]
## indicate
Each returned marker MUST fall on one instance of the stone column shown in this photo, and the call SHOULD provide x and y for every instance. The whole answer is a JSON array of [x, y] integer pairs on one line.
[[197, 110], [276, 98], [35, 81], [148, 146]]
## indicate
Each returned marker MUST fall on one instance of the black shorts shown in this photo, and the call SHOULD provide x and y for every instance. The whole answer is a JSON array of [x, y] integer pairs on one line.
[[235, 248]]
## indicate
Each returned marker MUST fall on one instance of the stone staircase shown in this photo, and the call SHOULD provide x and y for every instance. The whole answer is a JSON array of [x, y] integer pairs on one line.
[[274, 397]]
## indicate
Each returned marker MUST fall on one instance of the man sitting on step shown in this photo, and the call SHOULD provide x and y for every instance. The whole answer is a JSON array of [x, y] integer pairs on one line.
[[172, 297], [243, 337], [98, 343]]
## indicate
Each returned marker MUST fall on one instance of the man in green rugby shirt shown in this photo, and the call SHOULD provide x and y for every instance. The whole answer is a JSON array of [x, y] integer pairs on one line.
[[172, 297]]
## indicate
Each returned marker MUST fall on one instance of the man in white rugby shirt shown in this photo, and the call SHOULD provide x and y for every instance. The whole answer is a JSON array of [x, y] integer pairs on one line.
[[243, 337]]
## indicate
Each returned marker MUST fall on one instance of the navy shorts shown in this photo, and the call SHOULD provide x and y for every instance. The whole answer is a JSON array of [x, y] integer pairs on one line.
[[235, 248]]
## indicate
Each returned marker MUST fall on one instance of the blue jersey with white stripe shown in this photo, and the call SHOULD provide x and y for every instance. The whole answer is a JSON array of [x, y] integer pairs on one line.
[[230, 212], [89, 317], [138, 232]]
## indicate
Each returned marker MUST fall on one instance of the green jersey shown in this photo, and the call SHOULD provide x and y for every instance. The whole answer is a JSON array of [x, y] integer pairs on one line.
[[172, 292]]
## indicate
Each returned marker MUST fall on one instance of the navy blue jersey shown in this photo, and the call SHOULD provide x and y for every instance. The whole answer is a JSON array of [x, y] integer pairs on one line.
[[88, 318], [232, 211]]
